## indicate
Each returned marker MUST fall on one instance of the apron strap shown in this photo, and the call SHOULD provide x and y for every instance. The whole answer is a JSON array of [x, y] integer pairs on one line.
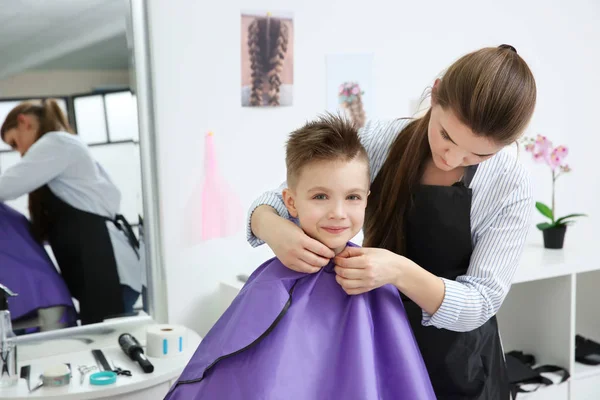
[[123, 225], [469, 174]]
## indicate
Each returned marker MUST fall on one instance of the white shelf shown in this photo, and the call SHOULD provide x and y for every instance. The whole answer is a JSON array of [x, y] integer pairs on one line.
[[540, 263], [582, 371], [553, 392]]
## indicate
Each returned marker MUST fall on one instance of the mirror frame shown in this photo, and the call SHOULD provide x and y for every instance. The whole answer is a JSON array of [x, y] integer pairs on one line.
[[141, 86]]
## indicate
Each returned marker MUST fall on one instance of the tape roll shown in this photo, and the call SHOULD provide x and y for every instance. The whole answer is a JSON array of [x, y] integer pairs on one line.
[[164, 341], [56, 375], [103, 378]]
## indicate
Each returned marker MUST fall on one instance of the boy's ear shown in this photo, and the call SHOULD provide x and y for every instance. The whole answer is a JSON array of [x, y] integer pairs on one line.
[[289, 201]]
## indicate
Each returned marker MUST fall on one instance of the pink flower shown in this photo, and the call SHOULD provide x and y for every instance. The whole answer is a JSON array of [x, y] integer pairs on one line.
[[562, 151], [557, 156], [554, 160], [355, 89], [542, 147]]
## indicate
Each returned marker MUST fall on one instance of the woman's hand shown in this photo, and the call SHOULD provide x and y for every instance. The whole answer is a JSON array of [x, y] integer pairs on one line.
[[362, 269], [294, 248]]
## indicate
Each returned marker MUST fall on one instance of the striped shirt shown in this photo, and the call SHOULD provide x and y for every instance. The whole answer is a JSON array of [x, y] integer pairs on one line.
[[501, 212]]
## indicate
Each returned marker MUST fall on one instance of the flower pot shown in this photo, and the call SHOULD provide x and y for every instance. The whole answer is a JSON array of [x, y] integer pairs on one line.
[[554, 237]]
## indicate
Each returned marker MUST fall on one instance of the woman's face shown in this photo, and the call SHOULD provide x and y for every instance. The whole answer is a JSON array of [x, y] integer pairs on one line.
[[453, 144], [24, 135]]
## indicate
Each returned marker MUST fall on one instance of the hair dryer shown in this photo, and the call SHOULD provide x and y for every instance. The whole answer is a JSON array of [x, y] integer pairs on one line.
[[134, 350]]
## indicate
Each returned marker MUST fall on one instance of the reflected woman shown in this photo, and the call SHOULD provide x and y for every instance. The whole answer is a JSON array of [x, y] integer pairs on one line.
[[73, 206]]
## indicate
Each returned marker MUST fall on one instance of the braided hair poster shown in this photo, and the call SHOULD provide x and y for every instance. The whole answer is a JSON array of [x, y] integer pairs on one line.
[[267, 59]]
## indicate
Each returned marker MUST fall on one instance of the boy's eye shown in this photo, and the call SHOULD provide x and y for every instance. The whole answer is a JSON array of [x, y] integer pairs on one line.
[[320, 197]]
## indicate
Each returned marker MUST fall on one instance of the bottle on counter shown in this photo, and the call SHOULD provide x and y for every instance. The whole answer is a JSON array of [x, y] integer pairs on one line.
[[8, 347]]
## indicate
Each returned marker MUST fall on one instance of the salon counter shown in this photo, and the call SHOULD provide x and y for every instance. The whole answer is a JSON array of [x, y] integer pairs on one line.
[[140, 386]]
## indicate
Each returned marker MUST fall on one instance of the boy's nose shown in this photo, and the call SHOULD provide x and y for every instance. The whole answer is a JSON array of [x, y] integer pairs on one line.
[[337, 211]]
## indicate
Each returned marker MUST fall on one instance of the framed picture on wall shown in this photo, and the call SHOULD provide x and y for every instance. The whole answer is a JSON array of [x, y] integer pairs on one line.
[[267, 58], [350, 86]]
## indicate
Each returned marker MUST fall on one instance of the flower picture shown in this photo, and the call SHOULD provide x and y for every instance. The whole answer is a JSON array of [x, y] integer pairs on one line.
[[350, 99]]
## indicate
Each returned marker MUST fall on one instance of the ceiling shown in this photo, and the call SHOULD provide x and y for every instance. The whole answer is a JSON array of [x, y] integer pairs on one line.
[[111, 53], [63, 34]]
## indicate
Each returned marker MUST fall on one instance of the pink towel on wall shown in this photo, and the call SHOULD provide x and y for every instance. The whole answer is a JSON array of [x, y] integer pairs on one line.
[[214, 209]]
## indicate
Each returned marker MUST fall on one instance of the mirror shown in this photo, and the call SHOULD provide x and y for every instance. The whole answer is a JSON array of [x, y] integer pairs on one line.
[[76, 225]]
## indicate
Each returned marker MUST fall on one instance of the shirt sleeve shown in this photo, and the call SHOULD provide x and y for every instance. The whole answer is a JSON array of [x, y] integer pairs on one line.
[[472, 299], [376, 137], [44, 161]]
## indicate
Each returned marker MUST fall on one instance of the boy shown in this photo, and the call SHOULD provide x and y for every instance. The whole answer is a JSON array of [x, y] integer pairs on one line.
[[328, 181], [289, 335]]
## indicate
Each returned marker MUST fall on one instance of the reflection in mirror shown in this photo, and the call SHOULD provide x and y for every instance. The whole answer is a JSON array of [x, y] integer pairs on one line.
[[71, 214]]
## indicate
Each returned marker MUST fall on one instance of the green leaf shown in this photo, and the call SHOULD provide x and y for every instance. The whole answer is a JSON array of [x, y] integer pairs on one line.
[[545, 210], [562, 219], [544, 225]]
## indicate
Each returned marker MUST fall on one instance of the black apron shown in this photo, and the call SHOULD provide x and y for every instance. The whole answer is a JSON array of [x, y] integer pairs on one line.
[[461, 365], [83, 250]]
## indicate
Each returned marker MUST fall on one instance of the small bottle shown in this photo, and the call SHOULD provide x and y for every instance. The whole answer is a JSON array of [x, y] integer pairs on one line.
[[8, 347]]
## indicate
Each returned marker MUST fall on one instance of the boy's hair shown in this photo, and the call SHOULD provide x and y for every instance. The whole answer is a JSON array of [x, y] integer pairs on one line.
[[327, 138]]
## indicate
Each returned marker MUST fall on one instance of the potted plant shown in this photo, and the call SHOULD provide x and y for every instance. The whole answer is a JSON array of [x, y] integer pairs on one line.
[[542, 151]]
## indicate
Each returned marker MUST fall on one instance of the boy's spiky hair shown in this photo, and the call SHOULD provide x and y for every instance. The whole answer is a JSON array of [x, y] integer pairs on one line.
[[328, 138]]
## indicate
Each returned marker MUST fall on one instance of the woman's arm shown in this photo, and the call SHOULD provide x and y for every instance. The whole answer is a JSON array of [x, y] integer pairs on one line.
[[421, 286], [261, 212], [44, 161]]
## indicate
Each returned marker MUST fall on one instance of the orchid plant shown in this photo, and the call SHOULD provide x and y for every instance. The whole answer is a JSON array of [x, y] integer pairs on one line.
[[543, 152]]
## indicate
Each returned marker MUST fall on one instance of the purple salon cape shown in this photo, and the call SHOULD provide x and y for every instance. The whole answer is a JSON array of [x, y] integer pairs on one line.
[[26, 269], [293, 336]]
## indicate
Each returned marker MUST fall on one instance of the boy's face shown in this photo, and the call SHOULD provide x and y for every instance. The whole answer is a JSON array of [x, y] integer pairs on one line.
[[329, 199]]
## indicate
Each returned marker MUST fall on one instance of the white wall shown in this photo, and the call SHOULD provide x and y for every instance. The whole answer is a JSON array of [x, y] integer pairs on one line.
[[60, 82], [196, 73]]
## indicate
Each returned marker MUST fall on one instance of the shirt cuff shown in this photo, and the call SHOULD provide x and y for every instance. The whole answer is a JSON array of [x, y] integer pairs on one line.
[[450, 309], [268, 199]]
